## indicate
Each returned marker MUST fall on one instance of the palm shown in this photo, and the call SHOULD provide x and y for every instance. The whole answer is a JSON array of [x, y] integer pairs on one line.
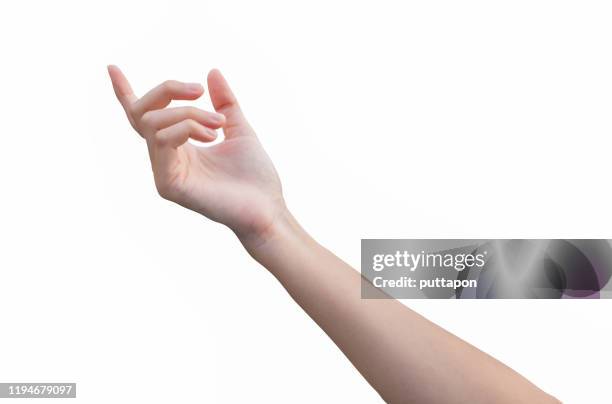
[[233, 182]]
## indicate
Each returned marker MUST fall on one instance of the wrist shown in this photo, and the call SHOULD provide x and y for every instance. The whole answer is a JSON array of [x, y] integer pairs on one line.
[[281, 230]]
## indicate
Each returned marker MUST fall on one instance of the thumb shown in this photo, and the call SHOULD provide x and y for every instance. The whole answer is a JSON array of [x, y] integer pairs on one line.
[[225, 102]]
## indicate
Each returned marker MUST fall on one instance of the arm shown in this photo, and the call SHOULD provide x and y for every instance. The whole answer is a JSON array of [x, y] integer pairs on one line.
[[405, 357]]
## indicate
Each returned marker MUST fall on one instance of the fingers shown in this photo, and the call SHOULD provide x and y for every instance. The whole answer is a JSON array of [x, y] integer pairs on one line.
[[122, 87], [176, 135], [164, 151], [166, 117], [224, 101], [123, 90], [163, 94], [173, 126], [221, 94]]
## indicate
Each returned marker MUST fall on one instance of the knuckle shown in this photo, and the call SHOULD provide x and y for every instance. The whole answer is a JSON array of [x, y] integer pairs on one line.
[[192, 125], [147, 119], [169, 85], [160, 138]]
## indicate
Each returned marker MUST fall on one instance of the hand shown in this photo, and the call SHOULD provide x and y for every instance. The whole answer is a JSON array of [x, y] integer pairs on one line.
[[233, 182]]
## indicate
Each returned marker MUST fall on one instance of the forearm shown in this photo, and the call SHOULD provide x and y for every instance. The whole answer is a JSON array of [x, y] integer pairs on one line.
[[405, 357]]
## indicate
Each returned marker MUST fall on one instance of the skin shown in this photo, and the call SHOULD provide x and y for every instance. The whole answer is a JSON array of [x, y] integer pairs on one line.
[[404, 356]]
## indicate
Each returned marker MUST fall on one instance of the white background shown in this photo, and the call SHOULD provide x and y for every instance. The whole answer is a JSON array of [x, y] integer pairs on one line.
[[429, 119]]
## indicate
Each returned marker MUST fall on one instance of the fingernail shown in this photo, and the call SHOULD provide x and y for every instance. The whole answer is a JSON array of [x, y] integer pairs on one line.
[[219, 118], [194, 87]]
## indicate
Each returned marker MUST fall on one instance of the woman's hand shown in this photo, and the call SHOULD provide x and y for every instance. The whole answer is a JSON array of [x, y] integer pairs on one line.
[[233, 182]]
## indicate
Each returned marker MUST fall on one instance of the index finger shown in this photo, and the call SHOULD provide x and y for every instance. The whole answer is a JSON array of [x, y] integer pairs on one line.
[[122, 87]]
